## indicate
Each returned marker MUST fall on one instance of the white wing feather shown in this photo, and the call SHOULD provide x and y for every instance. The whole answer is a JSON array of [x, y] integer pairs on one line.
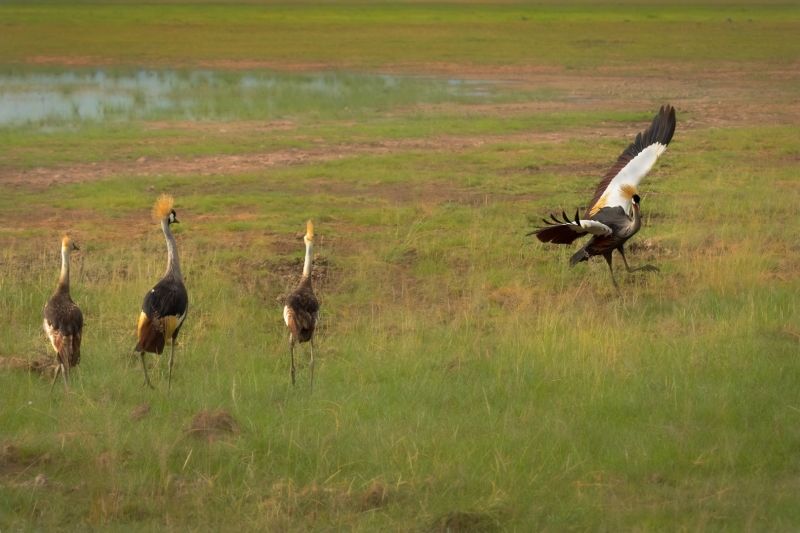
[[631, 175], [586, 226], [595, 228]]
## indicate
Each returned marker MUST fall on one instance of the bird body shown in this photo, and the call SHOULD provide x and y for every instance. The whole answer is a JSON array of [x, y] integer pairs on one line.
[[63, 320], [621, 228], [163, 312], [612, 216], [165, 306], [301, 308]]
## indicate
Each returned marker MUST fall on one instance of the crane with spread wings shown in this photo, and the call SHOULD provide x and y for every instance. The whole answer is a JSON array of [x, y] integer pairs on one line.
[[613, 214]]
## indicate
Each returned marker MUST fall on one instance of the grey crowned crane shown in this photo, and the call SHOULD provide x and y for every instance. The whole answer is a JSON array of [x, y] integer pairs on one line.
[[613, 214], [301, 309], [165, 306], [63, 321]]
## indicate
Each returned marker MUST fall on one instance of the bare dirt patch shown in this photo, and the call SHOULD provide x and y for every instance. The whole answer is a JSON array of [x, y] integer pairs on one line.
[[254, 163], [729, 96]]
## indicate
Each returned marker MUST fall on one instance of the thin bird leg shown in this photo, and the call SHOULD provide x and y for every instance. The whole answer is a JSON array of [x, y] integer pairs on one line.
[[607, 257], [291, 352], [55, 376], [171, 357], [146, 379], [311, 365], [64, 373], [646, 268]]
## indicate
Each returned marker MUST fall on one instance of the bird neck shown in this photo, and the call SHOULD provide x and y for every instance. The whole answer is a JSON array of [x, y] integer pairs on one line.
[[309, 259], [637, 221], [63, 280], [173, 266]]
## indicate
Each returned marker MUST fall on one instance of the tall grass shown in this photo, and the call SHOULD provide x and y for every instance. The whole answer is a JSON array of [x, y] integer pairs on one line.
[[465, 374]]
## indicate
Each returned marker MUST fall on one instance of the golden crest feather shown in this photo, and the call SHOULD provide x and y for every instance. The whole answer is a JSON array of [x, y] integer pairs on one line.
[[163, 206], [309, 230], [65, 241], [627, 191]]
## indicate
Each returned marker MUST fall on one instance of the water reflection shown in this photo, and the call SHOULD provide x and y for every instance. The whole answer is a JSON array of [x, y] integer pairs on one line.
[[99, 95]]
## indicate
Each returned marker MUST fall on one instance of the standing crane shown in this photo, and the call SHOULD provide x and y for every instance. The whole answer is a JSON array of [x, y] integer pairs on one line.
[[613, 214], [63, 321], [165, 306], [301, 310]]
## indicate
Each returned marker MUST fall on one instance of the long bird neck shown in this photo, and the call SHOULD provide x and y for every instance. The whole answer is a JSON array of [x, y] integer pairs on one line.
[[173, 266], [636, 223], [309, 260], [63, 280]]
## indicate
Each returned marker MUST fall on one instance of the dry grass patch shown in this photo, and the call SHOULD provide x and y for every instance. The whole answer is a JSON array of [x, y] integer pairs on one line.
[[208, 425], [376, 497], [143, 411], [43, 365], [465, 522]]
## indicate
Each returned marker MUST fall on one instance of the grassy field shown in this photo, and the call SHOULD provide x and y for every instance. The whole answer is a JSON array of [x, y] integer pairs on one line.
[[466, 378]]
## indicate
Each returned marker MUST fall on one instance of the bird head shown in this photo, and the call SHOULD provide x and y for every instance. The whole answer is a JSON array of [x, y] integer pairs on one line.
[[636, 201], [162, 210], [309, 236], [68, 244]]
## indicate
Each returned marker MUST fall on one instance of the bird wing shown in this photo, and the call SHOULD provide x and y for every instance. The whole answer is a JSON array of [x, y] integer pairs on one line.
[[63, 315], [167, 304], [301, 313], [566, 231], [63, 323], [620, 183]]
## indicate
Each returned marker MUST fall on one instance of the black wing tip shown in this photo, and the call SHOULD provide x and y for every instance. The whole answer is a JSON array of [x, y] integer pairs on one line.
[[551, 226], [660, 130], [663, 126]]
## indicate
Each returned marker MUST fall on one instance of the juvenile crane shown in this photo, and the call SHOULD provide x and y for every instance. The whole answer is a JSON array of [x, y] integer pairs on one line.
[[165, 306], [301, 310], [63, 321], [613, 214]]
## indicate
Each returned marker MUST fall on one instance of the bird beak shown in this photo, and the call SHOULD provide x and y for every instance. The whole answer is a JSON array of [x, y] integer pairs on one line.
[[76, 246], [175, 221]]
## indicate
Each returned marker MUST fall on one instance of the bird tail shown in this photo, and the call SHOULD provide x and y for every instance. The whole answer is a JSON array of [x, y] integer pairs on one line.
[[557, 231], [578, 256]]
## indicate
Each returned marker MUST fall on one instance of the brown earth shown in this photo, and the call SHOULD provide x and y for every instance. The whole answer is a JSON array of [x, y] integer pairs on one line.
[[725, 97]]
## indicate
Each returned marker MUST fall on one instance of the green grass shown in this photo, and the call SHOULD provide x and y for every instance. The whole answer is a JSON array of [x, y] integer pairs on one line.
[[462, 368], [466, 378], [369, 35]]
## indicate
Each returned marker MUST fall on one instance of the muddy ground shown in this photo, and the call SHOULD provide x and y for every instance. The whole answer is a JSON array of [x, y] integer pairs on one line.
[[726, 97]]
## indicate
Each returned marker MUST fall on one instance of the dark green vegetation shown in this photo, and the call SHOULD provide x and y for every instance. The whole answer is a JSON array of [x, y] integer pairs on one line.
[[466, 378], [377, 36]]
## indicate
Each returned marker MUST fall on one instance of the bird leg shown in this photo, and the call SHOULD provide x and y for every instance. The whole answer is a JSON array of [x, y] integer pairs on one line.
[[311, 365], [146, 378], [65, 375], [55, 376], [291, 352], [607, 257], [646, 268], [171, 357]]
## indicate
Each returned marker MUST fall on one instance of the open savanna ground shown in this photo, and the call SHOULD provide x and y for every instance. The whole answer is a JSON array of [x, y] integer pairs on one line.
[[466, 379]]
